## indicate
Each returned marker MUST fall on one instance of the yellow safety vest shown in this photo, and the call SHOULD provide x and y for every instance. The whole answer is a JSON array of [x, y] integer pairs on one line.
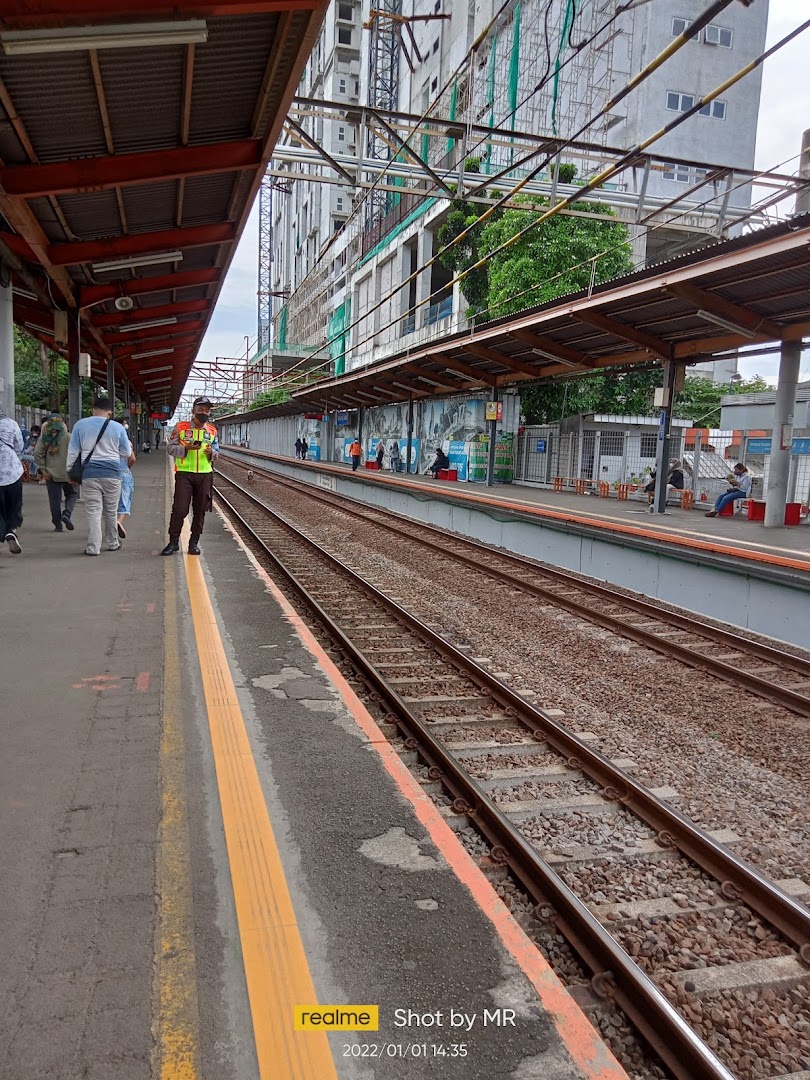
[[196, 460]]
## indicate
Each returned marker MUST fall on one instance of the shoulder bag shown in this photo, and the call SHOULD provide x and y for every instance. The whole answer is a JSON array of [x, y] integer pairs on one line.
[[77, 468]]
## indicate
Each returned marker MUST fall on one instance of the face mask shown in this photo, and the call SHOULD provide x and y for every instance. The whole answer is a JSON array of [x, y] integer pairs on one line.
[[201, 416]]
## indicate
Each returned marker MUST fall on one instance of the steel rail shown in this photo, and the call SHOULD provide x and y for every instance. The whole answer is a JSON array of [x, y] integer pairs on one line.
[[784, 696], [740, 881], [616, 975]]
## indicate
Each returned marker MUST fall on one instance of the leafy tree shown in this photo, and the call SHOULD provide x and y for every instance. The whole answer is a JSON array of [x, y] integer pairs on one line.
[[630, 393], [699, 400], [32, 388], [270, 397], [467, 252], [552, 259]]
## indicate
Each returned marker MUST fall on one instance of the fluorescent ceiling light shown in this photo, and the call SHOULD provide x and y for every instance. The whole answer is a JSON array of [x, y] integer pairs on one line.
[[41, 329], [151, 352], [163, 378], [168, 321], [24, 292], [155, 370], [121, 36], [727, 324], [556, 359], [136, 261]]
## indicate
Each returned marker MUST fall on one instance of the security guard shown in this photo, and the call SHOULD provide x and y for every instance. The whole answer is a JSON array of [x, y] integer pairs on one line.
[[194, 447]]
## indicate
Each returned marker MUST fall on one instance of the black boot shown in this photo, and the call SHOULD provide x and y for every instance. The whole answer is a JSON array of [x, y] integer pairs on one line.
[[171, 548], [194, 545]]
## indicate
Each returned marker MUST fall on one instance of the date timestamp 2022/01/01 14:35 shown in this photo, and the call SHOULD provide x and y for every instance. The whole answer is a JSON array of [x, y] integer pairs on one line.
[[405, 1050]]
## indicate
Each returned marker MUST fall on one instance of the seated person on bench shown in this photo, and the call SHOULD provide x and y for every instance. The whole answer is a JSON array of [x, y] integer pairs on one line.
[[740, 481], [442, 462]]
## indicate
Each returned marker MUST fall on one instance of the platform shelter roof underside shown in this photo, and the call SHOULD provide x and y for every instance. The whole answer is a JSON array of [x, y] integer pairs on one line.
[[129, 172], [752, 289]]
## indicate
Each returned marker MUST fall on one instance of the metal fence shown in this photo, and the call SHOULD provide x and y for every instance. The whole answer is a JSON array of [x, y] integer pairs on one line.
[[627, 457]]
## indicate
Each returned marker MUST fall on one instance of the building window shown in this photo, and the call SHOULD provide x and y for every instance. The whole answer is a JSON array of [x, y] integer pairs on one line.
[[680, 26], [339, 204], [649, 445], [342, 86], [344, 36], [718, 35], [679, 102], [437, 7], [679, 173], [357, 88], [433, 85], [346, 12], [611, 443], [435, 48], [715, 109], [341, 133]]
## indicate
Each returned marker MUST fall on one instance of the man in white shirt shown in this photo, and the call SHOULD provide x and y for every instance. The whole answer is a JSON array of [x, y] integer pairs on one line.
[[101, 475], [740, 489]]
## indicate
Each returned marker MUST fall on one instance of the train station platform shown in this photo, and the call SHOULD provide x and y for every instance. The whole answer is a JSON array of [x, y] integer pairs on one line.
[[730, 569], [204, 828]]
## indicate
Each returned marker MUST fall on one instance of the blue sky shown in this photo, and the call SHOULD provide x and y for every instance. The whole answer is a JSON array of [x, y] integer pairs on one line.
[[781, 124]]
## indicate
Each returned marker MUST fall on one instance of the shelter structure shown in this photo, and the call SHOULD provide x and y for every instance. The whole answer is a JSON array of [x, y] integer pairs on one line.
[[133, 142]]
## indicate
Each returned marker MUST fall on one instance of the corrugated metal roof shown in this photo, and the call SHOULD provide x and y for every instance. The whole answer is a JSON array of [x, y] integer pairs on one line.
[[188, 112]]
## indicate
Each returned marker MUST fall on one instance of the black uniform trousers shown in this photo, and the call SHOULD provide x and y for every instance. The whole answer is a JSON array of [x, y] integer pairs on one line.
[[190, 489]]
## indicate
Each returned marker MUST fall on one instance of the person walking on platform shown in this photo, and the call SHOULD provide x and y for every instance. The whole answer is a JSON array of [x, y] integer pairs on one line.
[[194, 447], [298, 448], [740, 481], [304, 449], [125, 498], [355, 453], [50, 454], [380, 454], [395, 457], [11, 489], [101, 442]]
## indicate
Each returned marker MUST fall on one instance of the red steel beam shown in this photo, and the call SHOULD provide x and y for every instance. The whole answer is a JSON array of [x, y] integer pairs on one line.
[[121, 247], [183, 279], [26, 14], [106, 173], [157, 311]]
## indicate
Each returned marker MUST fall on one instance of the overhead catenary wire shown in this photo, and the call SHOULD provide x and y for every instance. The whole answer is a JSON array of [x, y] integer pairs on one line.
[[625, 161], [755, 209], [677, 43]]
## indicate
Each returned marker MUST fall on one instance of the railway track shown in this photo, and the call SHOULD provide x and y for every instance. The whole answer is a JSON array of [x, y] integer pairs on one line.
[[511, 770], [768, 672]]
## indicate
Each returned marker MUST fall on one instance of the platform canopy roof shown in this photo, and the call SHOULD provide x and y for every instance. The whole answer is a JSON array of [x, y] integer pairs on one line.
[[754, 288], [134, 137]]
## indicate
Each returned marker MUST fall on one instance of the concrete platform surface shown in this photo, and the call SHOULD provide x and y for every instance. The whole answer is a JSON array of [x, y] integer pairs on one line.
[[126, 937]]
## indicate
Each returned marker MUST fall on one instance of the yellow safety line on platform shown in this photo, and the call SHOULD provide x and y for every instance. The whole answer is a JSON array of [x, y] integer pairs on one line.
[[276, 968], [175, 994]]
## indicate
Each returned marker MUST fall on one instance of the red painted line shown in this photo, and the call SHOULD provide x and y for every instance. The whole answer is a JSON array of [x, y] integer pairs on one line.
[[142, 682], [581, 1040], [150, 609]]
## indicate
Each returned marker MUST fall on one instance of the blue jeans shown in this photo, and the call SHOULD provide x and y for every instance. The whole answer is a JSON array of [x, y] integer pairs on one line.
[[729, 497]]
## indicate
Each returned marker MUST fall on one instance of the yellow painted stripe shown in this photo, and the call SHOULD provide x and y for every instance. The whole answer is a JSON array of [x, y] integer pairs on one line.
[[276, 968], [175, 994]]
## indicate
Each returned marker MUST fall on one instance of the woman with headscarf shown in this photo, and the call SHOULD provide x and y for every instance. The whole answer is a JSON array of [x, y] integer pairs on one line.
[[11, 491], [50, 454]]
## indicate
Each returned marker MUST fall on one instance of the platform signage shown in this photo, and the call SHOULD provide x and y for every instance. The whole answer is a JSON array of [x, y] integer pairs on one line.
[[341, 419], [541, 446], [494, 410], [763, 446]]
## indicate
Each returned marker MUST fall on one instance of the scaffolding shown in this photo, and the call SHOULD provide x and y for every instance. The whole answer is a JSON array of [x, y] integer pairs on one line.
[[383, 88], [265, 261]]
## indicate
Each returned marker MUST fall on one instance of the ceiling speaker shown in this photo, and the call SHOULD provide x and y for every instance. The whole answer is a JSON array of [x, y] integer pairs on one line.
[[124, 303]]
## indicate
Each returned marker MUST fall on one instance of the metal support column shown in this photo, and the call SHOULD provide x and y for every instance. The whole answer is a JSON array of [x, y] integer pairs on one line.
[[664, 428], [803, 198], [74, 383], [493, 430], [111, 383], [696, 467], [782, 435], [6, 343], [409, 448]]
